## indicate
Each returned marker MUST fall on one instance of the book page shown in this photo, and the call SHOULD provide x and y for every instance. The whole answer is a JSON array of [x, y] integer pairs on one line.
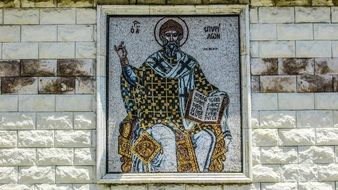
[[213, 109], [197, 105]]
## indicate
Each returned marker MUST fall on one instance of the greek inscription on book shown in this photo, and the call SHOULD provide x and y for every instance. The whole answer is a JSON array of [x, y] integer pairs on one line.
[[206, 109]]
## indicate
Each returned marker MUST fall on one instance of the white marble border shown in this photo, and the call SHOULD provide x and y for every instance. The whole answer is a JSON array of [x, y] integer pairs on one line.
[[134, 178]]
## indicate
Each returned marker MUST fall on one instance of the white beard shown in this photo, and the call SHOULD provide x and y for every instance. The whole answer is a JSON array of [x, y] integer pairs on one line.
[[171, 49]]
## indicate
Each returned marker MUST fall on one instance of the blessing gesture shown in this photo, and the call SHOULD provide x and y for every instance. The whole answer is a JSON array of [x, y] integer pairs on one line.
[[122, 53]]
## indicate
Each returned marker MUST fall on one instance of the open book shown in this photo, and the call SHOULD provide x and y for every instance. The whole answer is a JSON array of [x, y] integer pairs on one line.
[[201, 108]]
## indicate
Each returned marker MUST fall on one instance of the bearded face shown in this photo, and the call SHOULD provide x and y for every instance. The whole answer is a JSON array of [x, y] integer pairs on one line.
[[171, 43]]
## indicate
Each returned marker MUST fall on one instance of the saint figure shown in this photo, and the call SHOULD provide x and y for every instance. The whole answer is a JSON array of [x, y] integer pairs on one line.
[[156, 136]]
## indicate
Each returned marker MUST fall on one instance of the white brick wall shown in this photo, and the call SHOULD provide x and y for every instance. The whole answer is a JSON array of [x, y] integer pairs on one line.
[[48, 141], [295, 134]]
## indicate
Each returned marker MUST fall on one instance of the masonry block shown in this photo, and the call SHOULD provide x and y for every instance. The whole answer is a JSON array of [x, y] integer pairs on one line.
[[129, 187], [76, 33], [36, 174], [335, 118], [85, 50], [255, 86], [21, 16], [299, 172], [293, 2], [266, 173], [334, 48], [76, 138], [316, 154], [86, 16], [75, 67], [10, 4], [115, 2], [57, 50], [276, 15], [264, 101], [38, 3], [254, 49], [156, 2], [335, 83], [314, 83], [74, 174], [14, 120], [37, 103], [314, 119], [334, 13], [256, 155], [8, 103], [55, 156], [265, 66], [263, 32], [276, 49], [36, 138], [277, 155], [30, 33], [84, 120], [84, 85], [74, 102], [296, 137], [19, 85], [278, 83], [259, 3], [327, 136], [38, 68], [313, 49], [8, 139], [84, 156], [328, 172], [316, 185], [295, 66], [75, 3], [312, 14], [322, 2], [23, 50], [17, 186], [326, 101], [57, 85], [253, 15], [326, 66], [17, 157], [265, 137], [58, 16], [203, 187], [279, 186], [8, 174], [295, 101], [278, 119], [9, 33], [9, 68], [53, 186], [294, 32], [325, 31], [55, 120]]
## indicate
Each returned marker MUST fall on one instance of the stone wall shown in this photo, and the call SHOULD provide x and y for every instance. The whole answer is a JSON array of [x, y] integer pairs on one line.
[[293, 67], [93, 3], [47, 118], [47, 108]]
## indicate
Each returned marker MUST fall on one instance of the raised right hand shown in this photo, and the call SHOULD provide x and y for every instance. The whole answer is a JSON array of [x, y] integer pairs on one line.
[[122, 53]]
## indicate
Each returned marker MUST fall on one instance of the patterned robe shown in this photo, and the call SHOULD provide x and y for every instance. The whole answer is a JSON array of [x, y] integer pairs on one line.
[[157, 93]]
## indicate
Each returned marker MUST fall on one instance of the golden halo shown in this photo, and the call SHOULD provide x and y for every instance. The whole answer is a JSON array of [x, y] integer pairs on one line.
[[165, 19]]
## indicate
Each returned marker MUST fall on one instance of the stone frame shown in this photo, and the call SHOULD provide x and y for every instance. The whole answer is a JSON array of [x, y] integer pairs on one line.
[[141, 178]]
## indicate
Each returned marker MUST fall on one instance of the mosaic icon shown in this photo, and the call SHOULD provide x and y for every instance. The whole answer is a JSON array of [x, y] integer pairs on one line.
[[177, 120]]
